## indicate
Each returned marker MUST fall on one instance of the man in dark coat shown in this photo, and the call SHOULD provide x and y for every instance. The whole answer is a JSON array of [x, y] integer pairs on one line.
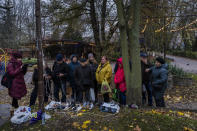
[[17, 71], [83, 79], [93, 66], [159, 81], [146, 85], [60, 74], [73, 65]]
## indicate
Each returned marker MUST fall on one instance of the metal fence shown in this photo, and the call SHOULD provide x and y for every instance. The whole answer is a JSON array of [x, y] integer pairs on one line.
[[4, 57]]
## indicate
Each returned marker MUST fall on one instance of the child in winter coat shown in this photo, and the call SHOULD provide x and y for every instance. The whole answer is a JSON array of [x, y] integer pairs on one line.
[[120, 82]]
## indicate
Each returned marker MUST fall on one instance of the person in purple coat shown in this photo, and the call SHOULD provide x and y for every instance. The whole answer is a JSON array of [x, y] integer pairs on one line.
[[17, 71]]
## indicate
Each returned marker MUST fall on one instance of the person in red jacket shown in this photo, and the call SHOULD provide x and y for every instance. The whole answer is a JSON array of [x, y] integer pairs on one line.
[[17, 71], [120, 82]]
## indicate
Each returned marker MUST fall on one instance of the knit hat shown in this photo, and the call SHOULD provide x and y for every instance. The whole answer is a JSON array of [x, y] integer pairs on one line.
[[72, 56], [59, 57], [17, 54], [83, 60], [143, 55], [90, 55], [160, 60]]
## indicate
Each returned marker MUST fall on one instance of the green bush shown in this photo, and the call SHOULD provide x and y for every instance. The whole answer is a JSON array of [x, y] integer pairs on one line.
[[30, 61], [174, 70], [188, 54]]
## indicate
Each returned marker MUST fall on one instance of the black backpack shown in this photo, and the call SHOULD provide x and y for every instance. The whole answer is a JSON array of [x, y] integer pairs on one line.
[[6, 80]]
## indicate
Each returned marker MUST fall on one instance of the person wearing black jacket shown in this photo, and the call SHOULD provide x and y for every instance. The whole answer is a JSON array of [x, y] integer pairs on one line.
[[146, 85], [47, 84], [93, 66], [83, 79], [60, 74]]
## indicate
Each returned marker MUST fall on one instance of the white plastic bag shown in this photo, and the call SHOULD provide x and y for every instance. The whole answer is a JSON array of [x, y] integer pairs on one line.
[[22, 109], [21, 115], [52, 105], [110, 107], [92, 95]]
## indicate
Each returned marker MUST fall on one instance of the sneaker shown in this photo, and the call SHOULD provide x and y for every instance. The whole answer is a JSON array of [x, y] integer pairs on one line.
[[84, 105], [79, 107], [91, 106]]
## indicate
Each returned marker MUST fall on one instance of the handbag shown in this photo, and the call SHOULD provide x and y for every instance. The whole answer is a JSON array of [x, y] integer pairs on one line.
[[105, 88], [6, 80]]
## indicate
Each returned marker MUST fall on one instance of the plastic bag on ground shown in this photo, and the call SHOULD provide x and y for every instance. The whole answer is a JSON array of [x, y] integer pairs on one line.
[[21, 115], [110, 107], [36, 117], [53, 105]]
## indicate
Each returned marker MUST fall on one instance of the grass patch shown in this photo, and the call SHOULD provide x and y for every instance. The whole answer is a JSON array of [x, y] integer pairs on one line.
[[127, 119]]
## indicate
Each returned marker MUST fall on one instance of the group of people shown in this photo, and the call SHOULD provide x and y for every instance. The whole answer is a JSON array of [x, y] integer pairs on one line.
[[82, 74], [85, 75]]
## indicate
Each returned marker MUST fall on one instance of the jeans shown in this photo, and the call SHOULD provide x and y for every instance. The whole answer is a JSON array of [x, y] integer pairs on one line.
[[34, 93], [149, 92], [159, 97], [122, 96], [87, 95], [60, 85], [74, 92]]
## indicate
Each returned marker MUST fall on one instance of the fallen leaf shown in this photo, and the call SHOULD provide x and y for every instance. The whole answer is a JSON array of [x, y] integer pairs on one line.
[[188, 129], [87, 122], [79, 114], [84, 126], [76, 124], [105, 128], [180, 113]]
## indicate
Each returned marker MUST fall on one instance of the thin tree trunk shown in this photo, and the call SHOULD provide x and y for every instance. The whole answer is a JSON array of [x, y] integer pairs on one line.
[[103, 16], [39, 55], [95, 25]]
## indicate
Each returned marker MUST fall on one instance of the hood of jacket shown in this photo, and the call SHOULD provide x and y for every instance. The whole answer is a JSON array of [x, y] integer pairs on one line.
[[119, 61]]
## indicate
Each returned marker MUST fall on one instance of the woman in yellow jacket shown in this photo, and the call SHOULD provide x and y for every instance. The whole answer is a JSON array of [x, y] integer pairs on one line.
[[104, 72]]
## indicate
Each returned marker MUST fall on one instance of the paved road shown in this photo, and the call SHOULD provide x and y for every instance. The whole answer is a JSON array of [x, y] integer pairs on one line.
[[188, 65]]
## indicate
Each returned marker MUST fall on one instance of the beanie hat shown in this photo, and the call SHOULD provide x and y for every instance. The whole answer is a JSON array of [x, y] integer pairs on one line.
[[143, 54], [160, 60], [90, 55], [17, 54], [59, 57]]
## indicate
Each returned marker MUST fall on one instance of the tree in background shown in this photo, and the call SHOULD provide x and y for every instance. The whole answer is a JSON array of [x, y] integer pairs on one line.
[[7, 26]]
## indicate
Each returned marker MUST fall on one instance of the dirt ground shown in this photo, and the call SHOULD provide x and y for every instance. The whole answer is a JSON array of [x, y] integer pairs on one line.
[[180, 114]]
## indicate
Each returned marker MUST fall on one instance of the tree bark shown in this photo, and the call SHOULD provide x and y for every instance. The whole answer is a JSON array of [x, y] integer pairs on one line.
[[134, 93], [39, 55], [95, 25], [124, 42], [103, 16]]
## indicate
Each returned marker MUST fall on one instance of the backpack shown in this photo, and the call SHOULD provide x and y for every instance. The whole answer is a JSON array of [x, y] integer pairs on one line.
[[6, 80]]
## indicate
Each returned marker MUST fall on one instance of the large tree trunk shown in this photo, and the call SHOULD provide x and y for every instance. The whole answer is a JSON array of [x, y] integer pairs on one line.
[[134, 93], [39, 55], [124, 42]]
